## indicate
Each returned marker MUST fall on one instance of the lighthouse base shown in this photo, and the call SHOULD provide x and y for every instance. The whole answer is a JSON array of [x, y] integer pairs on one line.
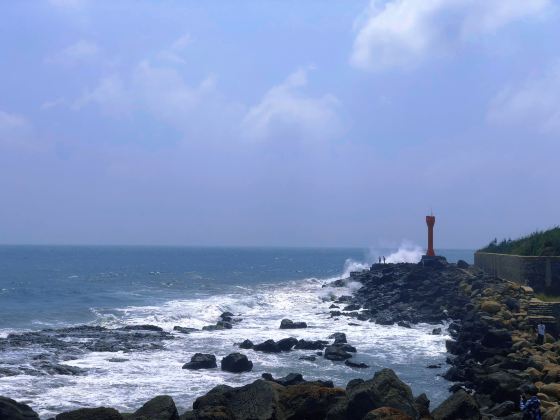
[[433, 261]]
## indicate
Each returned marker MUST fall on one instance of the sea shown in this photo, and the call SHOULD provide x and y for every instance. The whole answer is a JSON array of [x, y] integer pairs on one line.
[[53, 287]]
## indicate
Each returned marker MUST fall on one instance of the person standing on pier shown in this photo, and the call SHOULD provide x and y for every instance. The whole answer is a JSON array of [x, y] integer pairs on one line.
[[541, 329]]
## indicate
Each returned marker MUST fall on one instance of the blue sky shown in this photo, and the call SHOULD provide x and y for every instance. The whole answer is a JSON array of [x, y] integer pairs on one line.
[[278, 122]]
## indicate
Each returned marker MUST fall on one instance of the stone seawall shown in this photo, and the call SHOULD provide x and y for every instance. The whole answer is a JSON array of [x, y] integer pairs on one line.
[[541, 273]]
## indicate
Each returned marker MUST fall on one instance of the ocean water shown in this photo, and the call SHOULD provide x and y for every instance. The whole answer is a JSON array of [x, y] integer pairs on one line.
[[55, 287]]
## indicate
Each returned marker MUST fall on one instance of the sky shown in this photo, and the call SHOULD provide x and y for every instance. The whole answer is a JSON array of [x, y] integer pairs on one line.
[[278, 122]]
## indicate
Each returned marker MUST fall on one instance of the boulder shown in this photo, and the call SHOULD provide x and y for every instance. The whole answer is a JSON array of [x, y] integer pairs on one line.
[[100, 413], [258, 400], [460, 405], [387, 413], [503, 409], [247, 344], [309, 400], [497, 338], [502, 385], [201, 361], [308, 358], [184, 330], [422, 404], [336, 353], [286, 344], [310, 345], [269, 346], [490, 306], [161, 407], [236, 363], [289, 324], [357, 365], [384, 390], [552, 390], [289, 379], [339, 338], [10, 409], [436, 331]]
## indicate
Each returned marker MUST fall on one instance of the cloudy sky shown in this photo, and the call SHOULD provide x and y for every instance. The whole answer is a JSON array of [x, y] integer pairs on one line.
[[278, 122]]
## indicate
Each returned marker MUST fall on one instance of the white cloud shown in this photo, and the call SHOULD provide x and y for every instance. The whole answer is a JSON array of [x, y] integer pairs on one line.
[[286, 112], [400, 33], [175, 51], [13, 128], [534, 103], [110, 94], [78, 53]]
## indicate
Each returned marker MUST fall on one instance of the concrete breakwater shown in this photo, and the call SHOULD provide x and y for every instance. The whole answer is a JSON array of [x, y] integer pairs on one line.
[[540, 273], [493, 357]]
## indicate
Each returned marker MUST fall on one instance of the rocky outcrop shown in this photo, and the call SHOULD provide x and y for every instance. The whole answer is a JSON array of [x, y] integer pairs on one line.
[[286, 324], [236, 363], [460, 405], [101, 413], [10, 409], [201, 361], [159, 408], [384, 390]]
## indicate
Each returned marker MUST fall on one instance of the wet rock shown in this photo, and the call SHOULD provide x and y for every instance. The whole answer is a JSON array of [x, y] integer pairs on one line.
[[145, 327], [387, 413], [269, 346], [310, 345], [501, 385], [258, 400], [339, 338], [333, 306], [11, 409], [438, 366], [384, 390], [161, 407], [117, 360], [336, 353], [290, 379], [460, 405], [308, 358], [224, 324], [51, 368], [184, 330], [422, 404], [246, 344], [404, 324], [436, 331], [201, 361], [286, 344], [215, 327], [309, 400], [352, 307], [357, 365], [289, 324], [100, 413], [236, 363]]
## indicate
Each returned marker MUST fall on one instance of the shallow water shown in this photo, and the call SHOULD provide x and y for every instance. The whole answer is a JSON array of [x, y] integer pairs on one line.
[[191, 287]]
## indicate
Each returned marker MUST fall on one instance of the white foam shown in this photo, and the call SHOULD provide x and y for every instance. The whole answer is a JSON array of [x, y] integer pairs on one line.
[[127, 385]]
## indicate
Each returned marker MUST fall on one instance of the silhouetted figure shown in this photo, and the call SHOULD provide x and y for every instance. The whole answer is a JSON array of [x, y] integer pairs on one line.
[[384, 259], [379, 260], [541, 330]]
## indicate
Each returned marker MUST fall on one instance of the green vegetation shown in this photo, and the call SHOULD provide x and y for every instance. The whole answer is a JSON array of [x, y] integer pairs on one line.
[[540, 243]]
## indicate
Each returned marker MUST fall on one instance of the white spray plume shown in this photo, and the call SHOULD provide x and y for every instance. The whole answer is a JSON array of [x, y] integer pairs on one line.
[[407, 252]]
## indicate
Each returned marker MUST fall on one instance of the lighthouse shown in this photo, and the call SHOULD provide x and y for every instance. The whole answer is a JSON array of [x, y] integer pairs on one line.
[[431, 259], [431, 221]]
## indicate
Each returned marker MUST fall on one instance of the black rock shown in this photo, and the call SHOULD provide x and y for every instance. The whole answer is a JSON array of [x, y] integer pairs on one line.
[[336, 353], [201, 361], [289, 324], [161, 407], [269, 346], [339, 338], [100, 413], [184, 330], [310, 345], [308, 358], [355, 364], [460, 405], [497, 338], [141, 328], [226, 325], [352, 307], [286, 344], [404, 324], [290, 379], [10, 409], [247, 344], [436, 331], [433, 366], [236, 363]]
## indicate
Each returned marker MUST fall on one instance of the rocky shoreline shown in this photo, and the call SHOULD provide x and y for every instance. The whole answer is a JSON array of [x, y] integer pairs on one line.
[[492, 357]]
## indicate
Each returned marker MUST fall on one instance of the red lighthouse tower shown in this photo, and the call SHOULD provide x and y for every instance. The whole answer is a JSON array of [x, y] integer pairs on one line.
[[431, 221]]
